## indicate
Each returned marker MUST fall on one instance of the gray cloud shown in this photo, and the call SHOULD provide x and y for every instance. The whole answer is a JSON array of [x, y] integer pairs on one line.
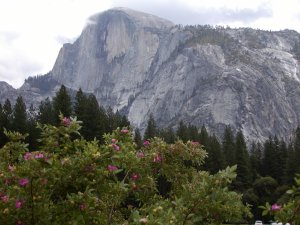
[[180, 13], [62, 39], [15, 71], [8, 37]]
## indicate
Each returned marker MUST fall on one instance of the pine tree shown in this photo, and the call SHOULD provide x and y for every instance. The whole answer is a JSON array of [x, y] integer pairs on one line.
[[255, 160], [290, 168], [168, 135], [193, 133], [297, 150], [7, 114], [203, 136], [19, 122], [62, 104], [151, 129], [120, 120], [215, 158], [138, 138], [228, 146], [282, 159], [33, 131], [80, 105], [46, 112], [6, 119], [183, 132], [2, 136], [205, 141], [269, 159], [92, 120], [243, 178], [110, 122]]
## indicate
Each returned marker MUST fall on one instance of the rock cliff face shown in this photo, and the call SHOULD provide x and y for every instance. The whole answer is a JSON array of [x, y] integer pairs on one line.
[[141, 64]]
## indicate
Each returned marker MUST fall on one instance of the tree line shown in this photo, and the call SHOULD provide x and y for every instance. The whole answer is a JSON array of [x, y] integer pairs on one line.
[[96, 120]]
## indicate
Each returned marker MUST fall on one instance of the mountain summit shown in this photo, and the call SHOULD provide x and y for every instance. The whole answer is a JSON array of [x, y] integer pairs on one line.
[[141, 64]]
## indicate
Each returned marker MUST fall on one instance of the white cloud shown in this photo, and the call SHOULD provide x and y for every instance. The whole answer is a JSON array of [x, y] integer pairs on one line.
[[33, 31]]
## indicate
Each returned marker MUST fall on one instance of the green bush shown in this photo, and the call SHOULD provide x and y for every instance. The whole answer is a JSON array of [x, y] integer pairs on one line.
[[69, 180], [290, 211]]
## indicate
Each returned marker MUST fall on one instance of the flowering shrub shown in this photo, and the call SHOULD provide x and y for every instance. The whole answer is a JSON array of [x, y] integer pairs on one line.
[[72, 181], [289, 212]]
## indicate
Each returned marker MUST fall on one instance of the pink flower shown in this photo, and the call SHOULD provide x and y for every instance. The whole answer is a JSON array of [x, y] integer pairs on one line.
[[66, 121], [82, 207], [7, 181], [195, 143], [140, 154], [135, 176], [112, 168], [146, 143], [44, 181], [5, 198], [19, 203], [115, 147], [11, 168], [19, 222], [27, 156], [114, 140], [275, 207], [125, 131], [157, 158], [39, 155], [23, 182]]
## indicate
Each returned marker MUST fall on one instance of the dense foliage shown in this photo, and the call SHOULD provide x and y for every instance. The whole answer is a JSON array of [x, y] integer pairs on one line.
[[265, 171], [290, 211], [69, 180]]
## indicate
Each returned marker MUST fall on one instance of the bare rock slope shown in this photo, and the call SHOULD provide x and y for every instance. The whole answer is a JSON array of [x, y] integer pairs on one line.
[[142, 64]]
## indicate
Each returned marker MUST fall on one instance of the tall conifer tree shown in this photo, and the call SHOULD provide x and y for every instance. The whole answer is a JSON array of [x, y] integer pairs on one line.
[[183, 132], [151, 129], [62, 103], [46, 112], [228, 146], [19, 116], [243, 178], [297, 150]]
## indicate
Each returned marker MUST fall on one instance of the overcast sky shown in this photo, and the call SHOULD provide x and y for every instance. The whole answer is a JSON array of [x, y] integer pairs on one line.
[[33, 31]]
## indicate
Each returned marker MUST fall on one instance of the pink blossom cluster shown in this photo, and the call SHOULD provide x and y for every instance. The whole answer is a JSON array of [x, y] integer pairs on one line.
[[19, 203], [112, 168], [135, 176], [157, 158], [82, 207], [195, 143], [7, 181], [11, 168], [5, 198], [275, 207], [33, 155], [66, 121], [140, 154], [146, 142], [23, 182], [115, 147]]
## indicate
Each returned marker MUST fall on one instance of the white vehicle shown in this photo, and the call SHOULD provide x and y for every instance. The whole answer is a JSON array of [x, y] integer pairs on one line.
[[258, 222]]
